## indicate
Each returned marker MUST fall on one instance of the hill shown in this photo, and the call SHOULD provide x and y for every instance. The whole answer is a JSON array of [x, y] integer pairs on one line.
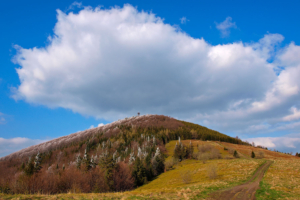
[[141, 151], [112, 129]]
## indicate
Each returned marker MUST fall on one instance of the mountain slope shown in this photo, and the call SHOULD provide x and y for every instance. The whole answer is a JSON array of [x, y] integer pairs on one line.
[[143, 121], [118, 156], [108, 129]]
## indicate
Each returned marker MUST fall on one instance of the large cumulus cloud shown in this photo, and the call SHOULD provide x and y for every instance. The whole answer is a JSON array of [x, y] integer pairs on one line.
[[112, 63]]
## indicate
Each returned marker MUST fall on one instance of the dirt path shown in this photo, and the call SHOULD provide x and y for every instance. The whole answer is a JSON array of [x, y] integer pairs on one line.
[[245, 191]]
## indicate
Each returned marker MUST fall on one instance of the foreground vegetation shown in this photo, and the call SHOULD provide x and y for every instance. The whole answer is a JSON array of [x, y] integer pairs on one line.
[[282, 180], [172, 160]]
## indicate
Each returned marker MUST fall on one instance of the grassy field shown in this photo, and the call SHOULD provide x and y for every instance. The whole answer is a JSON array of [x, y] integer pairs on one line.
[[282, 180], [246, 151], [190, 179]]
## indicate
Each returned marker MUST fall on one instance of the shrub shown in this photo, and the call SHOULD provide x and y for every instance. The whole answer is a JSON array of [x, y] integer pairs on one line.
[[205, 148], [252, 155], [235, 154], [215, 154], [203, 157], [169, 164]]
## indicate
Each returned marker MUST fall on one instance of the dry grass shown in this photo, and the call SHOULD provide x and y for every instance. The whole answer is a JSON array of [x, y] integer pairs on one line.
[[212, 172], [245, 151], [284, 176], [186, 176]]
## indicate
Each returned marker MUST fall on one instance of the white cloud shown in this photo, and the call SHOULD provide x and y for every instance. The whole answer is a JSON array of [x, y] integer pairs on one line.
[[294, 116], [8, 146], [183, 20], [113, 63], [92, 126], [225, 26], [101, 124], [75, 5], [283, 144]]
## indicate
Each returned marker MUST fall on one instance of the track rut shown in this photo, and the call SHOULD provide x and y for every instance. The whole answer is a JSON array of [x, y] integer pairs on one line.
[[245, 191]]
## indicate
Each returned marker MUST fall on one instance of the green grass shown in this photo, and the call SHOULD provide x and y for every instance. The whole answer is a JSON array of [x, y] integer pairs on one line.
[[265, 192]]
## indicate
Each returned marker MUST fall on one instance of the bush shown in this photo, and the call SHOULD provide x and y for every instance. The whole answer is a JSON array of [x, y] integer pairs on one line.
[[169, 164], [215, 154], [235, 154], [205, 148], [203, 157], [252, 155]]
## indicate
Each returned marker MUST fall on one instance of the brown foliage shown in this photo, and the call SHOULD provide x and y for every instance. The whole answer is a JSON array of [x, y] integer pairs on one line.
[[206, 152], [123, 179], [205, 148]]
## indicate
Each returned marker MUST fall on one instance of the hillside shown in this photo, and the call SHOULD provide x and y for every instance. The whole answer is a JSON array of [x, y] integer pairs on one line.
[[143, 151], [108, 130], [112, 129]]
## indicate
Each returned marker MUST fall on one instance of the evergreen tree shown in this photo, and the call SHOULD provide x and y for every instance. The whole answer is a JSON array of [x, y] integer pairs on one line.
[[108, 164], [93, 164], [37, 162], [131, 158], [149, 168], [190, 150], [160, 166], [78, 162], [86, 161], [252, 155], [180, 152], [139, 173], [29, 168], [23, 166]]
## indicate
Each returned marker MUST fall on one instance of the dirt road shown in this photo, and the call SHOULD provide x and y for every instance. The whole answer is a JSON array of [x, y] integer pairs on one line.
[[245, 191]]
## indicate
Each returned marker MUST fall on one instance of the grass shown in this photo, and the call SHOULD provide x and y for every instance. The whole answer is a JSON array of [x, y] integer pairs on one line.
[[281, 180], [171, 184], [283, 176], [246, 151], [265, 192]]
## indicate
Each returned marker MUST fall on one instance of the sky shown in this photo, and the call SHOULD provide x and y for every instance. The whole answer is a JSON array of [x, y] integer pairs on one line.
[[232, 66]]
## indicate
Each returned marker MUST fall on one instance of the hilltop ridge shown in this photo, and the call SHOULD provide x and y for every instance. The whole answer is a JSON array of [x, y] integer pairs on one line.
[[140, 121]]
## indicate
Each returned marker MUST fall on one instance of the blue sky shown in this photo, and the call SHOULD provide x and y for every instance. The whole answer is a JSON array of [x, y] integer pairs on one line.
[[234, 61]]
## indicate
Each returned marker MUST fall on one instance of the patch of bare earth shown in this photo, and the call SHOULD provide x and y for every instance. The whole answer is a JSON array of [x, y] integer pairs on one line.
[[245, 191]]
